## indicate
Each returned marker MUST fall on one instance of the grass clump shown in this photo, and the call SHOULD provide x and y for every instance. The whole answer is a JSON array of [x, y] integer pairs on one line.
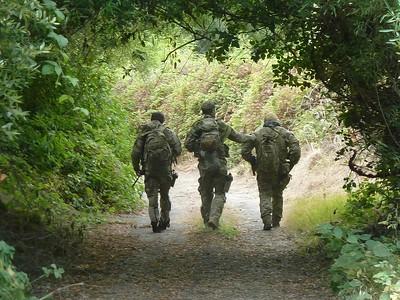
[[227, 227], [307, 213]]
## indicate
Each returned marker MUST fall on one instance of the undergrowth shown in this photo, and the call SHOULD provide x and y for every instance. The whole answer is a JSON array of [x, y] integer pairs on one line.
[[304, 214]]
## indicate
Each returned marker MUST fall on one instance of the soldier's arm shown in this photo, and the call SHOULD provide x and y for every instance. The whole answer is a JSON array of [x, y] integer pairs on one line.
[[247, 148], [173, 142], [294, 149], [192, 138], [230, 133], [137, 153]]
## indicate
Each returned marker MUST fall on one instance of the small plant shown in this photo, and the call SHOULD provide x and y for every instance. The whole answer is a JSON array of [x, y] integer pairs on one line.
[[15, 285], [363, 268]]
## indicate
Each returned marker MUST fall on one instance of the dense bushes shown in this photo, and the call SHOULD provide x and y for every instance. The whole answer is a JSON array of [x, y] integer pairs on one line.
[[66, 139], [363, 268]]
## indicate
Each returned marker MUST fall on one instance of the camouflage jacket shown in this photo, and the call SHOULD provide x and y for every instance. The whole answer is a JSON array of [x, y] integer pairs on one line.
[[289, 150], [138, 147], [225, 132]]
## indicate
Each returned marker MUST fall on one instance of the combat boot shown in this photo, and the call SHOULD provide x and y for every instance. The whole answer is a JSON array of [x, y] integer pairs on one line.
[[163, 225], [276, 222], [212, 225], [267, 227], [155, 227]]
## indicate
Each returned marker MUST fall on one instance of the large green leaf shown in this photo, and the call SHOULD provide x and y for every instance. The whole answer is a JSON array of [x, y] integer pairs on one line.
[[61, 40], [378, 249]]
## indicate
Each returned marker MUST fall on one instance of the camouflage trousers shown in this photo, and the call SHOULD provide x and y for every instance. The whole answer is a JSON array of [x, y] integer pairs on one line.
[[270, 189], [153, 186], [211, 189]]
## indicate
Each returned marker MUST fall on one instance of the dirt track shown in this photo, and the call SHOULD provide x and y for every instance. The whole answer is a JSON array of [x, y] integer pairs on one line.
[[125, 260]]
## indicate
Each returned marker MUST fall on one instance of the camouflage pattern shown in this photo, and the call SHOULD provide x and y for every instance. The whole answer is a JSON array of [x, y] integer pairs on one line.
[[271, 182], [213, 169], [157, 180]]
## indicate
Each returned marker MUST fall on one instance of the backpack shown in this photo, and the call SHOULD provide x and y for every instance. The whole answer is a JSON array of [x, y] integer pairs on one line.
[[269, 153], [210, 139], [157, 152]]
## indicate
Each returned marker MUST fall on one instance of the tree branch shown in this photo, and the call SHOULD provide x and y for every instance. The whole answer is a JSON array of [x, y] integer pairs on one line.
[[181, 46], [60, 289], [359, 170]]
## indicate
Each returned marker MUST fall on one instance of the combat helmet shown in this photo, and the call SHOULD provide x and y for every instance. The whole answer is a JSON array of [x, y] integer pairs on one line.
[[208, 108]]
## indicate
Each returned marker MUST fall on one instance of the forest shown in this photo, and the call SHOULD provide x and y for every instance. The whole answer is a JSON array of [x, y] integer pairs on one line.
[[78, 78]]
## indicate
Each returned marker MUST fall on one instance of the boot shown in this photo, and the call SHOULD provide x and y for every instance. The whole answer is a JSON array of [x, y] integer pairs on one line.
[[155, 227], [163, 225], [275, 222], [212, 225], [267, 227]]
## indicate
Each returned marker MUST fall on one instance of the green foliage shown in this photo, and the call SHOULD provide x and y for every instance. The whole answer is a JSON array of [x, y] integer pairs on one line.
[[305, 214], [363, 268], [372, 208], [15, 285], [68, 159], [28, 44]]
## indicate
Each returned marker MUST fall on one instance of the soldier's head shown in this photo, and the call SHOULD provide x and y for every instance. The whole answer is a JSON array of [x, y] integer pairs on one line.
[[159, 116], [208, 108], [270, 117]]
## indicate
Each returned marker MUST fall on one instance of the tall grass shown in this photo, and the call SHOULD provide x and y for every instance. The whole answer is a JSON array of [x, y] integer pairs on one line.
[[305, 214]]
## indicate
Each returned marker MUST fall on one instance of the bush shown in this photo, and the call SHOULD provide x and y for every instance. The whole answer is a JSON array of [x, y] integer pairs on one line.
[[363, 268]]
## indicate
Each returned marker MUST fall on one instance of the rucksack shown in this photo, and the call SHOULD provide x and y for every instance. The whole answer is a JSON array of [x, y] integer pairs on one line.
[[269, 154], [210, 139], [157, 152]]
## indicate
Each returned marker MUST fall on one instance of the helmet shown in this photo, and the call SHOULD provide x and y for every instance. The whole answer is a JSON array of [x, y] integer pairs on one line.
[[157, 115], [208, 107], [270, 116]]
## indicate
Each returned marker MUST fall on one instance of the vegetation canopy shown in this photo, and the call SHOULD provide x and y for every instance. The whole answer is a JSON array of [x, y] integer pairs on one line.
[[66, 135]]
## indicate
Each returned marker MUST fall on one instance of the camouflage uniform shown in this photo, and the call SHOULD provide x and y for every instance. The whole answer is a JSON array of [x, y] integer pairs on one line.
[[213, 170], [159, 180], [273, 180]]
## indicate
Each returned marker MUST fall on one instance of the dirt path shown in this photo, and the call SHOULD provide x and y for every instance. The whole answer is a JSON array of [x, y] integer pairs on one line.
[[125, 260]]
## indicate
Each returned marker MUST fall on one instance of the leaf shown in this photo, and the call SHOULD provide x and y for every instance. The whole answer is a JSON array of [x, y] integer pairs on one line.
[[338, 232], [2, 177], [74, 81], [66, 98], [82, 110], [61, 40], [47, 69], [324, 229], [50, 4], [352, 239], [378, 249], [58, 69], [60, 15]]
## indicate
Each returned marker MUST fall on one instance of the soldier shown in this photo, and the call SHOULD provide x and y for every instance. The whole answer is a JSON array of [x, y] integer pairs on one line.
[[277, 151], [156, 148], [206, 140]]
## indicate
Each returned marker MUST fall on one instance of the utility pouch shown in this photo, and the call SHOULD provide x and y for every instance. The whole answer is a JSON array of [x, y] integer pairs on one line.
[[174, 177], [228, 181]]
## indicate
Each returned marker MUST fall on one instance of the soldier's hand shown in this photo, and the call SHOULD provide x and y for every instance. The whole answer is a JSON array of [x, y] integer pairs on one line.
[[253, 162]]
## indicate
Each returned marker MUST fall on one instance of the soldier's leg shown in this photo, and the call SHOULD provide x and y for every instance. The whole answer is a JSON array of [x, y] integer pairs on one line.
[[206, 194], [277, 199], [217, 204], [165, 203], [277, 206], [265, 192], [151, 188]]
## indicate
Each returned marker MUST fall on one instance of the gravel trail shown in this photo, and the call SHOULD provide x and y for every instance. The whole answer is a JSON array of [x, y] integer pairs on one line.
[[123, 259]]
